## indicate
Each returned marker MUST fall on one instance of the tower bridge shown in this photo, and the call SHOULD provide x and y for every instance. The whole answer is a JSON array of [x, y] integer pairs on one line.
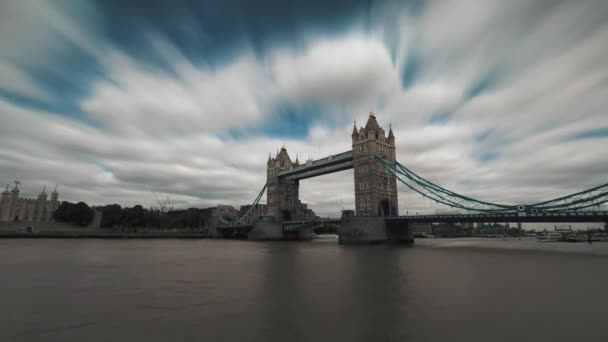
[[376, 215]]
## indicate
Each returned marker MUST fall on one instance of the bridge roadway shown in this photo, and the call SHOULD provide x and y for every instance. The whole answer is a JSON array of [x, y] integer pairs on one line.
[[288, 226], [401, 221], [295, 225], [573, 216]]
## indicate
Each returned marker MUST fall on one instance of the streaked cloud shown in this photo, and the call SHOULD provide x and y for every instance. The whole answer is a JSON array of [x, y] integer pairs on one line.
[[505, 101]]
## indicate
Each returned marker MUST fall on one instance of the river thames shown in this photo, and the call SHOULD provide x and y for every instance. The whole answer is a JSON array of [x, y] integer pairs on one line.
[[220, 290]]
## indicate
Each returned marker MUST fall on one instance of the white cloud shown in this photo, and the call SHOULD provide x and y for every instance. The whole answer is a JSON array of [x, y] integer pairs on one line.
[[32, 35], [166, 131]]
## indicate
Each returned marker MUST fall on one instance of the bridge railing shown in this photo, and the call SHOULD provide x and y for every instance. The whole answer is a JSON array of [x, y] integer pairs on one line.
[[543, 214]]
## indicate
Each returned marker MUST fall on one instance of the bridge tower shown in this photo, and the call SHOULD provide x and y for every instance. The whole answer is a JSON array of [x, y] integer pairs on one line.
[[282, 194], [375, 188]]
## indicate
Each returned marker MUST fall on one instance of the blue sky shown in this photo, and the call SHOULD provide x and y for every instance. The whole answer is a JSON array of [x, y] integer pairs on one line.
[[112, 100]]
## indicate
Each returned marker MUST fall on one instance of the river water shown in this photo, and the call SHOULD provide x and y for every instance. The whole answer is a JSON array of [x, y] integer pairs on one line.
[[220, 290]]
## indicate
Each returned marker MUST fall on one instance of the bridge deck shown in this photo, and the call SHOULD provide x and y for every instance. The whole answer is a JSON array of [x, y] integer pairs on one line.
[[295, 225], [578, 216]]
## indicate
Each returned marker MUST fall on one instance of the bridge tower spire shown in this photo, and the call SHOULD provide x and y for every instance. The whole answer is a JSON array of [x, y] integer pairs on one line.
[[375, 189]]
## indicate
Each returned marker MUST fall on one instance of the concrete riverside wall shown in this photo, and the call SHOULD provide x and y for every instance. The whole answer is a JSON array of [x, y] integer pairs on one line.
[[52, 226], [40, 226], [266, 230], [362, 229]]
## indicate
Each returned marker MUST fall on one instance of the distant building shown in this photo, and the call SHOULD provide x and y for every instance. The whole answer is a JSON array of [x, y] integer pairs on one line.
[[421, 228], [452, 229], [256, 212], [491, 229], [225, 211], [14, 208]]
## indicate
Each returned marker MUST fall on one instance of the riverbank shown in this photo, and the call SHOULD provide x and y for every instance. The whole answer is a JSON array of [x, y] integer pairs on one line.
[[101, 235], [64, 231], [516, 245]]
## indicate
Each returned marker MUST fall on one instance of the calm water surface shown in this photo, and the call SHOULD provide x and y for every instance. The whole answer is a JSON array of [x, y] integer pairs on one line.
[[218, 290]]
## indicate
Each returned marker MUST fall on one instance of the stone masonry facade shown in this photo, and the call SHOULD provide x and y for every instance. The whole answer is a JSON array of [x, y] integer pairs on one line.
[[16, 209], [375, 188]]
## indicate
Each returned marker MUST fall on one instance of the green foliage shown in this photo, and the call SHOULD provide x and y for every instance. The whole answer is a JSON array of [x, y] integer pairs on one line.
[[79, 213], [138, 217]]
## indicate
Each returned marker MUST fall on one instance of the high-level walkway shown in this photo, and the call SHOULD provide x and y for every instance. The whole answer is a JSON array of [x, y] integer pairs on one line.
[[334, 163]]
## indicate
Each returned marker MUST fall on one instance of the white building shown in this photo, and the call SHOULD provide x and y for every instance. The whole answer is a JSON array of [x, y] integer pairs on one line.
[[13, 208]]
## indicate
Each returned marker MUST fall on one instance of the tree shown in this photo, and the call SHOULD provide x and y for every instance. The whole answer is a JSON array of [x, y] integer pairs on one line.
[[81, 214], [62, 213], [136, 216], [112, 215]]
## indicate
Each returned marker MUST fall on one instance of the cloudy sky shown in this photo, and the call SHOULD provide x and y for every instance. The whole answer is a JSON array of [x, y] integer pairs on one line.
[[506, 101]]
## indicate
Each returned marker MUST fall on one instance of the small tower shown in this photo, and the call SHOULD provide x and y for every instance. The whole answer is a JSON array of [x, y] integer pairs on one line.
[[375, 188], [12, 202], [40, 208], [42, 195], [54, 203], [54, 198], [4, 199]]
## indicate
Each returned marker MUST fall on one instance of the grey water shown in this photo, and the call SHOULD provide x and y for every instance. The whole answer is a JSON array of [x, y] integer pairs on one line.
[[220, 290]]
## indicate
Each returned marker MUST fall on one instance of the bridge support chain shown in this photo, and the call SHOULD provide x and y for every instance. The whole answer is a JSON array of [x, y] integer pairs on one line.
[[372, 229]]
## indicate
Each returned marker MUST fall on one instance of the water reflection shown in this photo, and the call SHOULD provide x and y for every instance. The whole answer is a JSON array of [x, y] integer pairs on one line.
[[160, 290], [344, 293]]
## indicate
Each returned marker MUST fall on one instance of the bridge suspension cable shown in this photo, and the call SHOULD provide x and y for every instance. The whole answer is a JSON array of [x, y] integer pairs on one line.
[[584, 199], [242, 219]]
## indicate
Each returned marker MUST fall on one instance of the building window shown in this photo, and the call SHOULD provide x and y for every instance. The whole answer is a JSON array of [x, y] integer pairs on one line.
[[363, 148]]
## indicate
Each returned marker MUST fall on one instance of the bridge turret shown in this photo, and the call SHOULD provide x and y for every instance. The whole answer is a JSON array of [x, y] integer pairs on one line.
[[283, 159], [355, 134], [4, 204], [375, 188], [282, 192]]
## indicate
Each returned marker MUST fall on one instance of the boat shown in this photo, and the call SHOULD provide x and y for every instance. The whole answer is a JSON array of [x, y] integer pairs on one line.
[[548, 236]]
